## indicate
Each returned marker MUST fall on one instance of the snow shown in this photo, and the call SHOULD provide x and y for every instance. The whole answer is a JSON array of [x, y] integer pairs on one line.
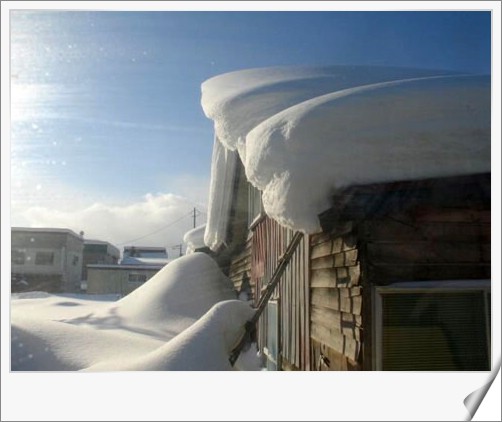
[[149, 261], [303, 133], [184, 318], [194, 238], [220, 195]]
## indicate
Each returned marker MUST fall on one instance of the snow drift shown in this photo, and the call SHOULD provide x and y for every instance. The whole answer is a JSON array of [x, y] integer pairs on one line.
[[303, 133], [183, 318]]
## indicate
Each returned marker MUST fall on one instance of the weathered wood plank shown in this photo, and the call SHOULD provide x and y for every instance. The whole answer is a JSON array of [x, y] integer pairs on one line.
[[427, 252], [327, 359], [406, 230], [333, 245], [335, 320], [334, 339], [332, 299], [382, 274], [457, 215], [336, 277], [240, 269], [340, 228], [343, 259]]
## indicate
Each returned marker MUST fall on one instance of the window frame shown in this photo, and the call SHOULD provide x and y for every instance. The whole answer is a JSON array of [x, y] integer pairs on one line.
[[275, 360], [255, 213], [439, 286]]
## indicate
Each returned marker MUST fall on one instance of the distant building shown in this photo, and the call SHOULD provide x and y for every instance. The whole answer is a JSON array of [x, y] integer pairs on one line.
[[139, 264], [98, 252], [144, 255], [119, 279], [46, 259]]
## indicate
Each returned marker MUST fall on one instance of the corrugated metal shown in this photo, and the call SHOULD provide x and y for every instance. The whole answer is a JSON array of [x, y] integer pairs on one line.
[[270, 241]]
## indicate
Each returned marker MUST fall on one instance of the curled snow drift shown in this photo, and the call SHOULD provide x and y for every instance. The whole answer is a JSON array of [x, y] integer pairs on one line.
[[183, 318], [194, 238], [302, 133]]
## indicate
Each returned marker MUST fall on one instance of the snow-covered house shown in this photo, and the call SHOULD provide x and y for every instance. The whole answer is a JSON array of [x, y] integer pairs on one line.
[[144, 255], [137, 266], [386, 172]]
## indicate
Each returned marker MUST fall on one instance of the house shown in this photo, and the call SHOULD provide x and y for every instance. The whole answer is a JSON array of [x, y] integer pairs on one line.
[[137, 266], [45, 259], [386, 173], [118, 279], [144, 255], [98, 252]]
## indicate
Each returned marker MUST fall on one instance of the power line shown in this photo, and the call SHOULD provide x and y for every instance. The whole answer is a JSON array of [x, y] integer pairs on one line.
[[156, 231]]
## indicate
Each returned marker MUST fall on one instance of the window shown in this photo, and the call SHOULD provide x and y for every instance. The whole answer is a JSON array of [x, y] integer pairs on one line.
[[255, 204], [439, 326], [271, 350], [137, 278], [18, 257], [75, 260], [44, 258]]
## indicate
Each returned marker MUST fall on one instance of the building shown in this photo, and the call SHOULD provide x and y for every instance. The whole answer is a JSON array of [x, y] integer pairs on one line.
[[118, 279], [144, 255], [386, 175], [98, 252], [137, 266], [46, 259]]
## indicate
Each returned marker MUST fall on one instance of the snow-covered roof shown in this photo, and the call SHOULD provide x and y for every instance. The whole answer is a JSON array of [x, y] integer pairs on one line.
[[302, 133], [133, 260], [144, 255], [126, 267], [45, 230]]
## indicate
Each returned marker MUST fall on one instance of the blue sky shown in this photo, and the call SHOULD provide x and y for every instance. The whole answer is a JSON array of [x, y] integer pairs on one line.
[[106, 114]]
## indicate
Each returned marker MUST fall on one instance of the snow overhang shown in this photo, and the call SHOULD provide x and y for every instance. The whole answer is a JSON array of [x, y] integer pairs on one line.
[[304, 133]]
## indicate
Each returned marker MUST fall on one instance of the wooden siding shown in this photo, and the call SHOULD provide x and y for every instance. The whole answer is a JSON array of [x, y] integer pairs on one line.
[[437, 229], [270, 241], [432, 245], [336, 301], [240, 267]]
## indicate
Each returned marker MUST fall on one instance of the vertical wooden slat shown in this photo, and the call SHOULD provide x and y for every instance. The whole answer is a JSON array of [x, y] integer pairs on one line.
[[269, 242], [308, 363]]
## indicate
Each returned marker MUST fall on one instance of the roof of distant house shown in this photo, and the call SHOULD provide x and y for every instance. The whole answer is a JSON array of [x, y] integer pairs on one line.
[[45, 230]]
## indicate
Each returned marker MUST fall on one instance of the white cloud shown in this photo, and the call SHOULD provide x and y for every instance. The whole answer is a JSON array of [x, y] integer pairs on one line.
[[157, 220]]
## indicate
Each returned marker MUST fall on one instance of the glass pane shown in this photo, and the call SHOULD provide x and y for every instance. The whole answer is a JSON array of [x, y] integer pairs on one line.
[[434, 331]]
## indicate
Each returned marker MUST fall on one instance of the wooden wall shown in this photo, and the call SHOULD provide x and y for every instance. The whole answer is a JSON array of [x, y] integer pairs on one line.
[[427, 244], [240, 267], [336, 301], [373, 235], [436, 229], [270, 241]]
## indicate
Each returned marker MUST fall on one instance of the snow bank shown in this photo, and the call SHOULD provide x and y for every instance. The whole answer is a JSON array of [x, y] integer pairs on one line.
[[182, 318], [303, 133], [194, 238], [205, 346]]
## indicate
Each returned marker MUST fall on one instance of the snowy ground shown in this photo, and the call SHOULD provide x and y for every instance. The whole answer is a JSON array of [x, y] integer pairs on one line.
[[184, 318]]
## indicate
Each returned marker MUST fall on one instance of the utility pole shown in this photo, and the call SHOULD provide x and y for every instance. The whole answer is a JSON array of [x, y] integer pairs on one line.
[[194, 217]]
